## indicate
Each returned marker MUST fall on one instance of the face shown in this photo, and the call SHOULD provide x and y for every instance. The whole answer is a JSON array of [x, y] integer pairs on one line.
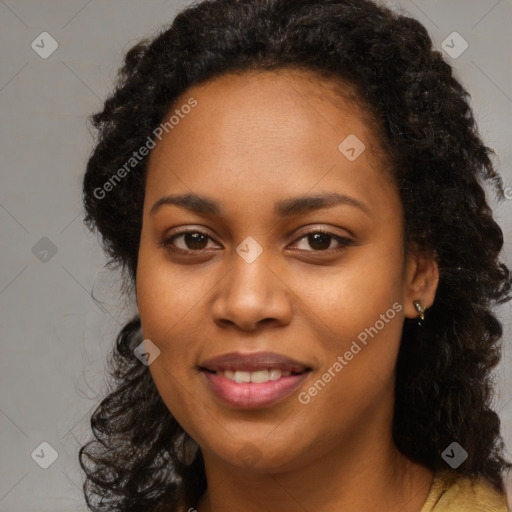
[[284, 253]]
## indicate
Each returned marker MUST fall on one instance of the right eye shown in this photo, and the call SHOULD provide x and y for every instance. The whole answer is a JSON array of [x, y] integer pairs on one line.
[[189, 241]]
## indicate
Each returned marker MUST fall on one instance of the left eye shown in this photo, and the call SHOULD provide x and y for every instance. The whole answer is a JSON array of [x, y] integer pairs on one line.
[[321, 240]]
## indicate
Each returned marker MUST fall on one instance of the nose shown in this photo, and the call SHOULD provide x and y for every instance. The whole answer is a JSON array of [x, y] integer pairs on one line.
[[252, 294]]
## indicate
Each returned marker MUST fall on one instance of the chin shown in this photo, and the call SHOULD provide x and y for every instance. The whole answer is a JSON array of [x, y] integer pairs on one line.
[[259, 457]]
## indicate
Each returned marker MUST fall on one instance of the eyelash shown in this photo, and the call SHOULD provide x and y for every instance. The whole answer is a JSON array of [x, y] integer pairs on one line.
[[343, 241]]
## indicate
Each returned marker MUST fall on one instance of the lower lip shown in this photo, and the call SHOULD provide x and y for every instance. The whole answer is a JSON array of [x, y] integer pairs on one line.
[[250, 395]]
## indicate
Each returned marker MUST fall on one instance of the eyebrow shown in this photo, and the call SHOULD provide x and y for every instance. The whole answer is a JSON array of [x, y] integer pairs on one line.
[[285, 208]]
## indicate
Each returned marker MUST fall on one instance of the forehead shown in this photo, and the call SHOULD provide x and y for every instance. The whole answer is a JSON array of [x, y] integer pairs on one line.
[[284, 129]]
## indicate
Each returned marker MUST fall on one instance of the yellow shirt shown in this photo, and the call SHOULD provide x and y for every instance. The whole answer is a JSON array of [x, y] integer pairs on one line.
[[451, 492]]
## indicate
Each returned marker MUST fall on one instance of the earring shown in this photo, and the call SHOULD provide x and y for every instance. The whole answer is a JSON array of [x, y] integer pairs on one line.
[[418, 306]]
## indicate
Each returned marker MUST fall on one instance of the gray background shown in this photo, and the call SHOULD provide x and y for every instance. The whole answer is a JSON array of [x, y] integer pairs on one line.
[[55, 337]]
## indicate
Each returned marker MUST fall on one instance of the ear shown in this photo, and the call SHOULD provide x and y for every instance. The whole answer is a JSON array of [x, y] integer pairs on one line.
[[422, 278]]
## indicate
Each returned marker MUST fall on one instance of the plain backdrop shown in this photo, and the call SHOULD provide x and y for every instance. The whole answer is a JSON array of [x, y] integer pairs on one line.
[[55, 337]]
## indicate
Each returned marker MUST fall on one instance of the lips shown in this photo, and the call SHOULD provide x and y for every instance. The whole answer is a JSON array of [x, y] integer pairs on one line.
[[231, 377]]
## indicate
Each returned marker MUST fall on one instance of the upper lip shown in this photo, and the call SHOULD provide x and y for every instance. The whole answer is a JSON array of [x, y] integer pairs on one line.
[[253, 362]]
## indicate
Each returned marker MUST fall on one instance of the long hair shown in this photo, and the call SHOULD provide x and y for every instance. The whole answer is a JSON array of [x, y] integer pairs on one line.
[[140, 457]]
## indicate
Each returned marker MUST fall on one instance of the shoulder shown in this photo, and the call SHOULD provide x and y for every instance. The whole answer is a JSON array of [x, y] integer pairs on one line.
[[451, 492]]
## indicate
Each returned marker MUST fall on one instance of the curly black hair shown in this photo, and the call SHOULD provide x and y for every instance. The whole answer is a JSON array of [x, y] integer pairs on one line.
[[140, 457]]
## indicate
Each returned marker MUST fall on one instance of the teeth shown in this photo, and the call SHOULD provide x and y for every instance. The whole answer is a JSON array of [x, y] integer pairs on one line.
[[242, 376], [275, 373], [258, 376]]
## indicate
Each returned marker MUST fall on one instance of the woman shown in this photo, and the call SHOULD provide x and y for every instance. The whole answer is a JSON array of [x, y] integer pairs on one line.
[[294, 189]]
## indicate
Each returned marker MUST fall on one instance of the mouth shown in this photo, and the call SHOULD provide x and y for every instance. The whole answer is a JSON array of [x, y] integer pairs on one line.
[[256, 377], [249, 381]]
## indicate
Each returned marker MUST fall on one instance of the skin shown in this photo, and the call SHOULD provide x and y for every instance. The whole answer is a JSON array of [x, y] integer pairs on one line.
[[253, 140]]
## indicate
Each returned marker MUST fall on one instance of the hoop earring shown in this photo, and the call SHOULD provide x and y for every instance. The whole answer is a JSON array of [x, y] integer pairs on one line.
[[418, 306]]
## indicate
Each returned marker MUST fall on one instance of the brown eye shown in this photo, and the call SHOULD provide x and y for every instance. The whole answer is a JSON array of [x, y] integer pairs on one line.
[[187, 241], [321, 241], [195, 240]]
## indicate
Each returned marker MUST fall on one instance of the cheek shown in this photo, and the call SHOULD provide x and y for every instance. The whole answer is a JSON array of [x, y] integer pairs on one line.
[[352, 296], [166, 294], [360, 307], [166, 301]]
